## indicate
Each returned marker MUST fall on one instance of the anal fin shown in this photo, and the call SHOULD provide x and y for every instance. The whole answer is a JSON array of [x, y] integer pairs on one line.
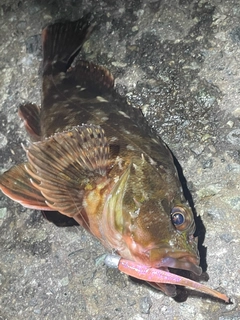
[[30, 114]]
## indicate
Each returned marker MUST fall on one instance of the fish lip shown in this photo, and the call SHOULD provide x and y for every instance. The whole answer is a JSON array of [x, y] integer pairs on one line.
[[188, 263]]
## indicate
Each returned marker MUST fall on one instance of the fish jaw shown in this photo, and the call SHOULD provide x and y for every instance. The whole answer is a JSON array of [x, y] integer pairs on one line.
[[180, 252], [164, 255], [168, 258]]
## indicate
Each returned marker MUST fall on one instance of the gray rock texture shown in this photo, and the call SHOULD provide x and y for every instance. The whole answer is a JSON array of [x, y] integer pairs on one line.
[[180, 62]]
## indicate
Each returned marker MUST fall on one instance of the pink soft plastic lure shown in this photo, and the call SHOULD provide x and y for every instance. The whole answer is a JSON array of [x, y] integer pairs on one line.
[[149, 274]]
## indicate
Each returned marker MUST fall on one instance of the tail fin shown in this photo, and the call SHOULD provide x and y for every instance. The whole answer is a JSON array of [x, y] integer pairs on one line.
[[62, 43]]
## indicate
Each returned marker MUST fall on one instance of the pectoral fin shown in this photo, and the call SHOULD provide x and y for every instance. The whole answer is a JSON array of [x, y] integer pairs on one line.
[[16, 184], [65, 165]]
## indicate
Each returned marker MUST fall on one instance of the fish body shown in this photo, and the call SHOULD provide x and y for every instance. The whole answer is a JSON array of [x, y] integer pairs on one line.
[[93, 158]]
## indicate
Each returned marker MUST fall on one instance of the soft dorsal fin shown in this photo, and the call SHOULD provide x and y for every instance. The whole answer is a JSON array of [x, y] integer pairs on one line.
[[64, 164], [92, 76]]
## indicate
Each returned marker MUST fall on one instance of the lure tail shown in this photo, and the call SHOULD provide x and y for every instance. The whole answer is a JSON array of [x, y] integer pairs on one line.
[[149, 274]]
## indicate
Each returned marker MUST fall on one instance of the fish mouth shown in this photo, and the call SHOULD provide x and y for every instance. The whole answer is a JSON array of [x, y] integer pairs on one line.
[[178, 266], [189, 263]]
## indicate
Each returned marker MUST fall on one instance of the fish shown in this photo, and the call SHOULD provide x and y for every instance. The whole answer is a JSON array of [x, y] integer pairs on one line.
[[93, 161]]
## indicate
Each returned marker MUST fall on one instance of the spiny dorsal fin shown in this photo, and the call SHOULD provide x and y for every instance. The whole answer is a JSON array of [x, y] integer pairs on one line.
[[16, 184], [62, 42], [65, 163], [30, 114]]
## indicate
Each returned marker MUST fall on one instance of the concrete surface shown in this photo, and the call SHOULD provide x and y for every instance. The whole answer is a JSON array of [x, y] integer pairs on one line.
[[180, 62]]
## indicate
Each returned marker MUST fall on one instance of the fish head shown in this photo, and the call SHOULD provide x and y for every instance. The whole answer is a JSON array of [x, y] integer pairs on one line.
[[165, 238], [176, 247], [157, 226]]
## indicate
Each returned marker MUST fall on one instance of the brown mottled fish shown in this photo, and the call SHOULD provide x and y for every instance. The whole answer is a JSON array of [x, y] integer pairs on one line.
[[92, 159]]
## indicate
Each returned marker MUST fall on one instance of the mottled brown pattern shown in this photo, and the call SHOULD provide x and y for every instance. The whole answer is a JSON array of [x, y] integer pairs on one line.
[[99, 163]]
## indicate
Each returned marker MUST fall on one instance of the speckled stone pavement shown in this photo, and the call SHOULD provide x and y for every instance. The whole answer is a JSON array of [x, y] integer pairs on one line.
[[180, 62]]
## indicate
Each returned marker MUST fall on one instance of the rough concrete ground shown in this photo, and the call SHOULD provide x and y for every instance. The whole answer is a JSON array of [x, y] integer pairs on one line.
[[178, 61]]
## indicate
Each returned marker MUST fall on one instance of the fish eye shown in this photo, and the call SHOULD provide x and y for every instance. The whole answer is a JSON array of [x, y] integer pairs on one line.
[[179, 219]]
